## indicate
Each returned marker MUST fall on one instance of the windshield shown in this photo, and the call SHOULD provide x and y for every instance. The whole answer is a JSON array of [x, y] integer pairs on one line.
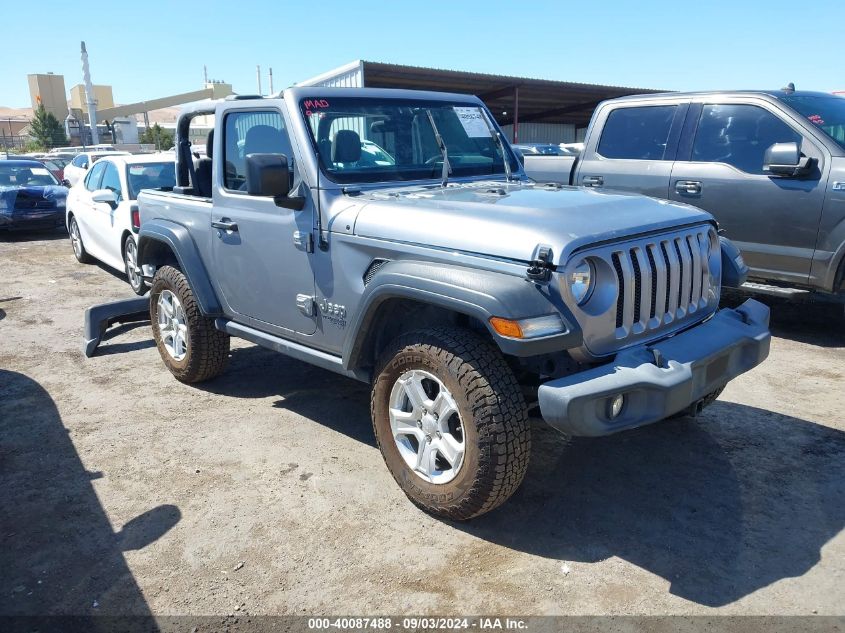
[[150, 176], [826, 113], [26, 176], [361, 140]]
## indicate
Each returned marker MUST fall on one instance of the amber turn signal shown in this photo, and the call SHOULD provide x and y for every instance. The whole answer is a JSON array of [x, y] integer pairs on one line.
[[506, 327]]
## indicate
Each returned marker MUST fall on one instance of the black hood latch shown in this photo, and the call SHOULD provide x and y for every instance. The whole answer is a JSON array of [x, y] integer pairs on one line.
[[541, 267]]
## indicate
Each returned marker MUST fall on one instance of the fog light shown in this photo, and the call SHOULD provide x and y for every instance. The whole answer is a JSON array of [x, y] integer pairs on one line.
[[614, 406]]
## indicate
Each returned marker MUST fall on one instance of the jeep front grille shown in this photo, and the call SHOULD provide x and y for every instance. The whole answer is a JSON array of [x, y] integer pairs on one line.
[[674, 273], [662, 282]]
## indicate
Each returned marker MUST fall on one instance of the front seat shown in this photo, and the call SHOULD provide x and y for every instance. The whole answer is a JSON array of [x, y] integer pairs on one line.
[[204, 168], [346, 147], [266, 139]]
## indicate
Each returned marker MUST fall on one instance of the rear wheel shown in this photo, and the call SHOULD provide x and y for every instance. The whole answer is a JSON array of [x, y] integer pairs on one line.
[[451, 422], [189, 344], [79, 251], [130, 265]]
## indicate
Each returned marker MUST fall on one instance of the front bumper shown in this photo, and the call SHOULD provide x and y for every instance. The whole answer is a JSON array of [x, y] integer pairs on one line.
[[660, 379], [26, 219]]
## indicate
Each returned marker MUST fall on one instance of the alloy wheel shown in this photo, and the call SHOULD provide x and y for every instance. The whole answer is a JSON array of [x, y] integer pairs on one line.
[[427, 426]]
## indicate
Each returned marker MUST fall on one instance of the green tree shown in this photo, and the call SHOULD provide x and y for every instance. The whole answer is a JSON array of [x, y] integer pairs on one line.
[[158, 136], [45, 129]]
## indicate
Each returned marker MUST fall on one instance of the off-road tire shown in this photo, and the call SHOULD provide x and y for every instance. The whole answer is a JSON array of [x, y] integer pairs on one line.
[[80, 253], [207, 347], [492, 408]]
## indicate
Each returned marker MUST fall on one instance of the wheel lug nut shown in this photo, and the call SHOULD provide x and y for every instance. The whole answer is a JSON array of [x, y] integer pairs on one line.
[[439, 435], [419, 424]]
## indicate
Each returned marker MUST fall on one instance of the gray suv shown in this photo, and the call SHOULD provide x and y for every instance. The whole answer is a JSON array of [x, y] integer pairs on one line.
[[463, 293]]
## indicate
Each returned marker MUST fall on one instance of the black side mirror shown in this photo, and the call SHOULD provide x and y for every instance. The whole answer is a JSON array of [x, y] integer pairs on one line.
[[66, 183], [784, 160], [268, 175]]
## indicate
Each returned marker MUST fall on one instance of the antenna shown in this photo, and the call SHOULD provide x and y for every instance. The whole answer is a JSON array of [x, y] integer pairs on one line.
[[258, 77], [789, 88], [271, 81]]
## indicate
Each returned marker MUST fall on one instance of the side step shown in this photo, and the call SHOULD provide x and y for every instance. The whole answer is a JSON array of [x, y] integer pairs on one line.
[[777, 291], [99, 318]]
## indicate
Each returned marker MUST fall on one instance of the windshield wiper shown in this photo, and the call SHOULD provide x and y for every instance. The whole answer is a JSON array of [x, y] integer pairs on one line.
[[444, 176], [497, 138]]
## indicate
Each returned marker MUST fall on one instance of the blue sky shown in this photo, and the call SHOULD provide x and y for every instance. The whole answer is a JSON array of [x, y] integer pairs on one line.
[[137, 47]]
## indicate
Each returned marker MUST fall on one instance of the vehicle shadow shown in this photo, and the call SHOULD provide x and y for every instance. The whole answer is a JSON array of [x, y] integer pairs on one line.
[[58, 551], [336, 402], [719, 506]]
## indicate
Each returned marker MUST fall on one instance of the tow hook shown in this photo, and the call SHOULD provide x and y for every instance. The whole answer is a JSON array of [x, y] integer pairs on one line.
[[657, 357], [541, 267]]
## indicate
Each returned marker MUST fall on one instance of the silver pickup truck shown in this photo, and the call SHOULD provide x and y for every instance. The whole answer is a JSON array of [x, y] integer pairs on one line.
[[769, 166], [392, 237]]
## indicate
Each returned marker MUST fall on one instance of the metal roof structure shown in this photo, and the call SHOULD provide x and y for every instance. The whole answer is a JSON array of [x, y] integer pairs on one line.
[[512, 100]]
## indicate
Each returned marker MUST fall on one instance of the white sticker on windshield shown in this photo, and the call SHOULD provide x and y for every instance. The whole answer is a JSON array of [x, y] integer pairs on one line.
[[39, 171], [473, 121]]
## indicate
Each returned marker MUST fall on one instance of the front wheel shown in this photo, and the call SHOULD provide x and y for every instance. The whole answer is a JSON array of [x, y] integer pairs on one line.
[[189, 344], [130, 265], [451, 422]]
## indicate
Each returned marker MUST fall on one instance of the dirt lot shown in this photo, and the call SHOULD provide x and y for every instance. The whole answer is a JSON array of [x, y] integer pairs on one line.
[[124, 491]]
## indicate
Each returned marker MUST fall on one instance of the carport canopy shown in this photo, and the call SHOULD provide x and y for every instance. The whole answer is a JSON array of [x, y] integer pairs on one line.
[[512, 100]]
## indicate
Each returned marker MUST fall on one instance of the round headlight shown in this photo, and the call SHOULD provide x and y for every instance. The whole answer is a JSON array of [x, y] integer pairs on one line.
[[580, 280]]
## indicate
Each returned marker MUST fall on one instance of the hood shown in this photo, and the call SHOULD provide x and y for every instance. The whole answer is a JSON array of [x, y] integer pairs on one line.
[[510, 220], [32, 197]]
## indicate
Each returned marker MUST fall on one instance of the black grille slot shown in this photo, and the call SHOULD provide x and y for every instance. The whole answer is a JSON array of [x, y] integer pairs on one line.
[[373, 269], [653, 267], [681, 273], [638, 285], [668, 274], [620, 298], [692, 271]]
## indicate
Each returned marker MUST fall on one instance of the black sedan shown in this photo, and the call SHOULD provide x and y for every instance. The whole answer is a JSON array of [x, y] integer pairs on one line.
[[30, 196]]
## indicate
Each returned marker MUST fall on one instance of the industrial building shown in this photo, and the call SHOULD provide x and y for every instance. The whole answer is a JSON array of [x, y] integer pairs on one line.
[[48, 90], [529, 110], [102, 96]]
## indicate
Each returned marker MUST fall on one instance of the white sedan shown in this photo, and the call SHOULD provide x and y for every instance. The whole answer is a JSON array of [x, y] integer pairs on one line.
[[76, 169], [102, 215]]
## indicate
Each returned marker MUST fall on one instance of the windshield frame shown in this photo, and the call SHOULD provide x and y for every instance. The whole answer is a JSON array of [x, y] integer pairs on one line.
[[789, 102], [423, 103]]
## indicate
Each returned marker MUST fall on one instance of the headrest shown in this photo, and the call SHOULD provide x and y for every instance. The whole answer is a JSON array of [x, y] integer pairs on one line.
[[209, 144], [346, 147], [264, 139]]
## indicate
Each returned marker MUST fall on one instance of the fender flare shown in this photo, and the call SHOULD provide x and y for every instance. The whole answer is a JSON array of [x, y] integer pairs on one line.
[[180, 242], [480, 294]]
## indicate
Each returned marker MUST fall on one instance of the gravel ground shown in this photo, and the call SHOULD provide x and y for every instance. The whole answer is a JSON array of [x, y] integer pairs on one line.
[[262, 492]]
